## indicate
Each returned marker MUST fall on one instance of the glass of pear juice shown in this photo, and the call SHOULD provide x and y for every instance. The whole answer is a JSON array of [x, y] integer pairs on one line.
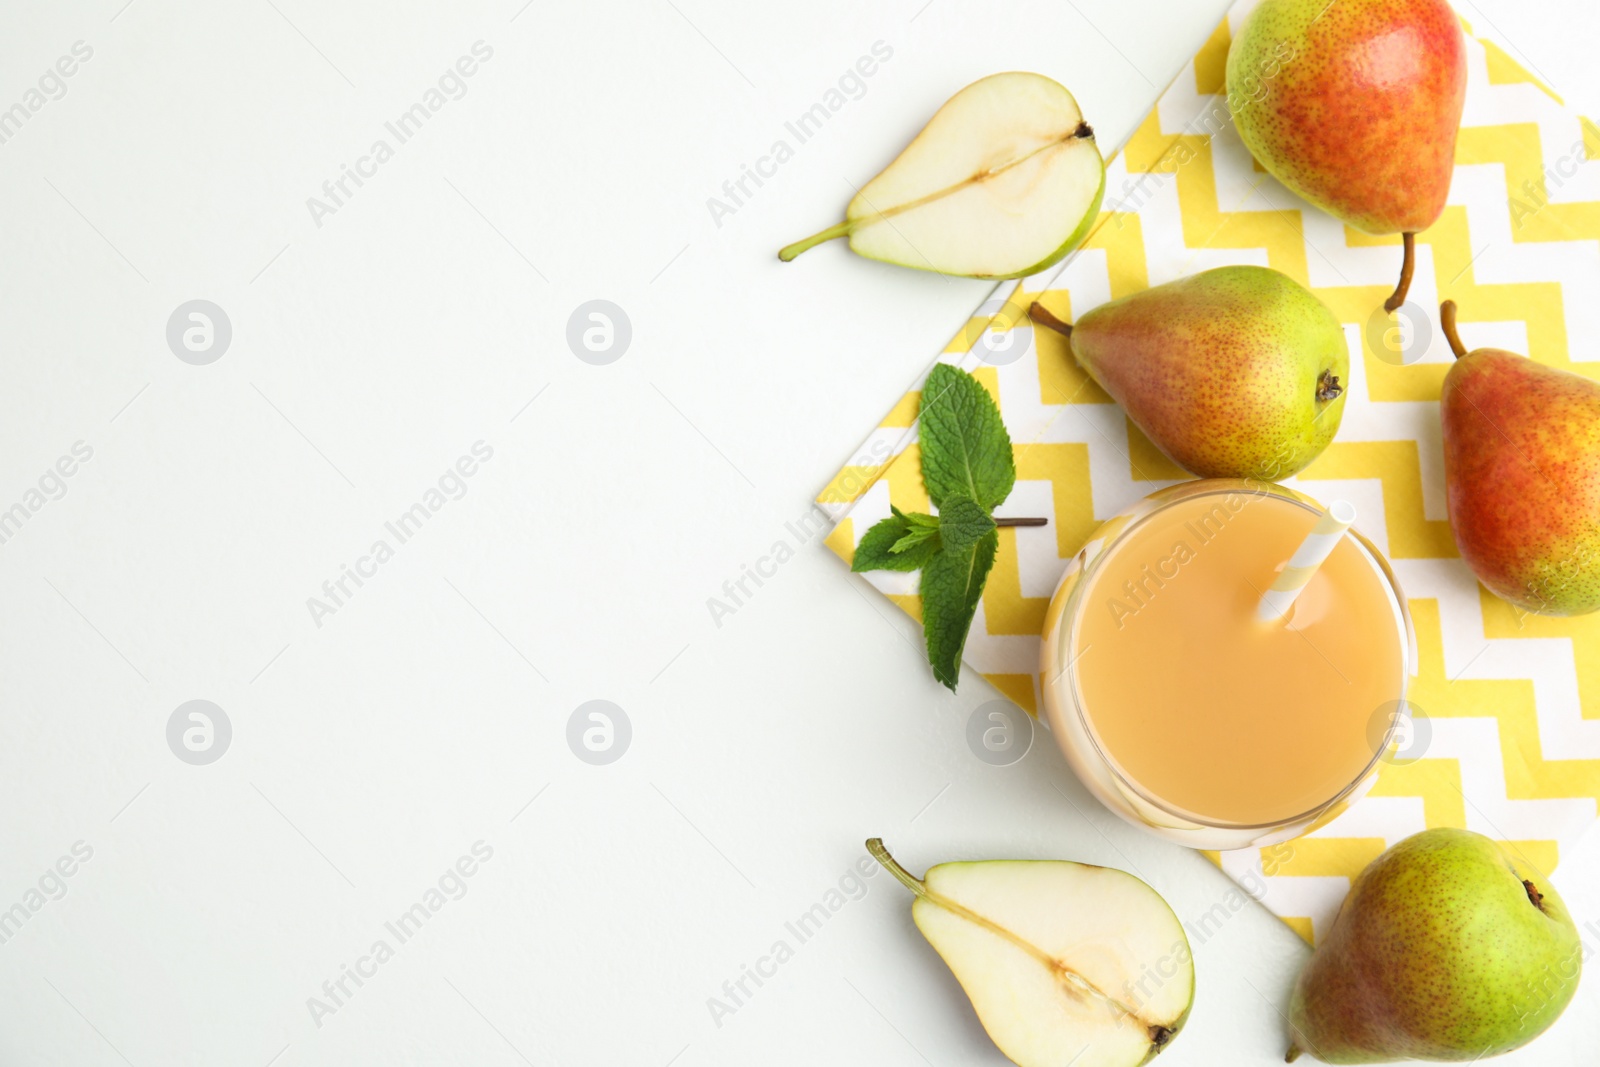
[[1182, 711]]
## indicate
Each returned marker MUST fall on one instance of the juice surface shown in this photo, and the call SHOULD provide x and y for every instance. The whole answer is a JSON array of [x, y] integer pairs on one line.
[[1210, 711]]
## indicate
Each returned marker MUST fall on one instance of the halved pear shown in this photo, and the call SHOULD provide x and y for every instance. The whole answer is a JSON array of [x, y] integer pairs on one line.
[[1002, 182], [1065, 963]]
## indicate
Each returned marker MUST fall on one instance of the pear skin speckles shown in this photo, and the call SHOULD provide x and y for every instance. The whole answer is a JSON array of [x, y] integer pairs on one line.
[[1439, 952], [1354, 105], [1237, 372], [1522, 472]]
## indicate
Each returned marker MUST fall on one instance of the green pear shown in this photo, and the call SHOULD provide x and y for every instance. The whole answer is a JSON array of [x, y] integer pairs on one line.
[[1233, 373], [1355, 105], [1003, 181], [1065, 963], [1447, 948]]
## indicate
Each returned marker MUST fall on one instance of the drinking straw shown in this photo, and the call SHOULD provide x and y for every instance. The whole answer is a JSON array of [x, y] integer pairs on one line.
[[1330, 527]]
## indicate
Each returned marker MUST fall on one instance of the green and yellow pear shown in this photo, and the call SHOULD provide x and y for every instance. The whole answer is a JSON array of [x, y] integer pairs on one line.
[[1448, 947], [1065, 963], [1004, 181], [1355, 105], [1236, 372]]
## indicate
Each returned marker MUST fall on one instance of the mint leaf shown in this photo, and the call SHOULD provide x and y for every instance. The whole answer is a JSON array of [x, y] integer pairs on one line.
[[952, 585], [962, 522], [965, 448], [878, 549], [917, 535], [919, 528]]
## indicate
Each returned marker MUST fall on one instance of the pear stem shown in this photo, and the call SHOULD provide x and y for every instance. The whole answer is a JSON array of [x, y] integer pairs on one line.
[[1447, 321], [1292, 1055], [917, 886], [1041, 314], [892, 865], [788, 252], [1002, 523], [1407, 269]]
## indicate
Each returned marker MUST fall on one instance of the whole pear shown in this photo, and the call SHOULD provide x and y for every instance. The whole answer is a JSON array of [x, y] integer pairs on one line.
[[1235, 372], [1447, 948], [1522, 474], [1355, 105]]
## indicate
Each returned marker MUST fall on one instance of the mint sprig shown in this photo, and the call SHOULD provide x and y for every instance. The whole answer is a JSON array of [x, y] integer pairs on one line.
[[968, 471]]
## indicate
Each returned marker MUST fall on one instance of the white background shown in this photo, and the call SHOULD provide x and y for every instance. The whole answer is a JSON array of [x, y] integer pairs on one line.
[[369, 353]]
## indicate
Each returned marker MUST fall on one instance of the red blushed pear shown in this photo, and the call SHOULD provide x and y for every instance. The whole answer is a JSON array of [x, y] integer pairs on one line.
[[1235, 372], [1355, 105], [1522, 472]]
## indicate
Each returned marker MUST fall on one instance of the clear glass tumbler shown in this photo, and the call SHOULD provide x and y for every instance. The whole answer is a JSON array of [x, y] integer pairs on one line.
[[1074, 722]]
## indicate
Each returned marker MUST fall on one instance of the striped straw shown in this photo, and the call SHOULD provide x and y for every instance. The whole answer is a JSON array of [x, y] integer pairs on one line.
[[1307, 558]]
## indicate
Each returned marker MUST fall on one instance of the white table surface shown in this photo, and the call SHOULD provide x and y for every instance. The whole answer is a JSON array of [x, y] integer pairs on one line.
[[368, 353]]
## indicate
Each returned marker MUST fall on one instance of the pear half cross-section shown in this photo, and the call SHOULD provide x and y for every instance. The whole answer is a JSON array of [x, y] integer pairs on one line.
[[1065, 963], [1004, 180]]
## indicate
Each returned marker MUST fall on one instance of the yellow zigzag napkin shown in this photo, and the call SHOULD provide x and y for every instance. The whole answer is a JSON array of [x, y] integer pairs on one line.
[[1512, 702]]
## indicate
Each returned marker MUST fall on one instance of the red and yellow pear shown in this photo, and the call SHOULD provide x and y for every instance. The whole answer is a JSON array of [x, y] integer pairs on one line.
[[1522, 474], [1235, 372], [1355, 106]]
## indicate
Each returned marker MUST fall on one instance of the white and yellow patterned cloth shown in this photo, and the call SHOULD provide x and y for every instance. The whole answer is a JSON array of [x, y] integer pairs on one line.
[[1512, 701]]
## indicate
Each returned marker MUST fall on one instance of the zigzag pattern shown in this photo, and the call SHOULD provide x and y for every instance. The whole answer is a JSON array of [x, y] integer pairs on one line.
[[1513, 701]]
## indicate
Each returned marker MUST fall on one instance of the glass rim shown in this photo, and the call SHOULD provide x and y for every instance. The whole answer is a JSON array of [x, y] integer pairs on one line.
[[1072, 615]]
